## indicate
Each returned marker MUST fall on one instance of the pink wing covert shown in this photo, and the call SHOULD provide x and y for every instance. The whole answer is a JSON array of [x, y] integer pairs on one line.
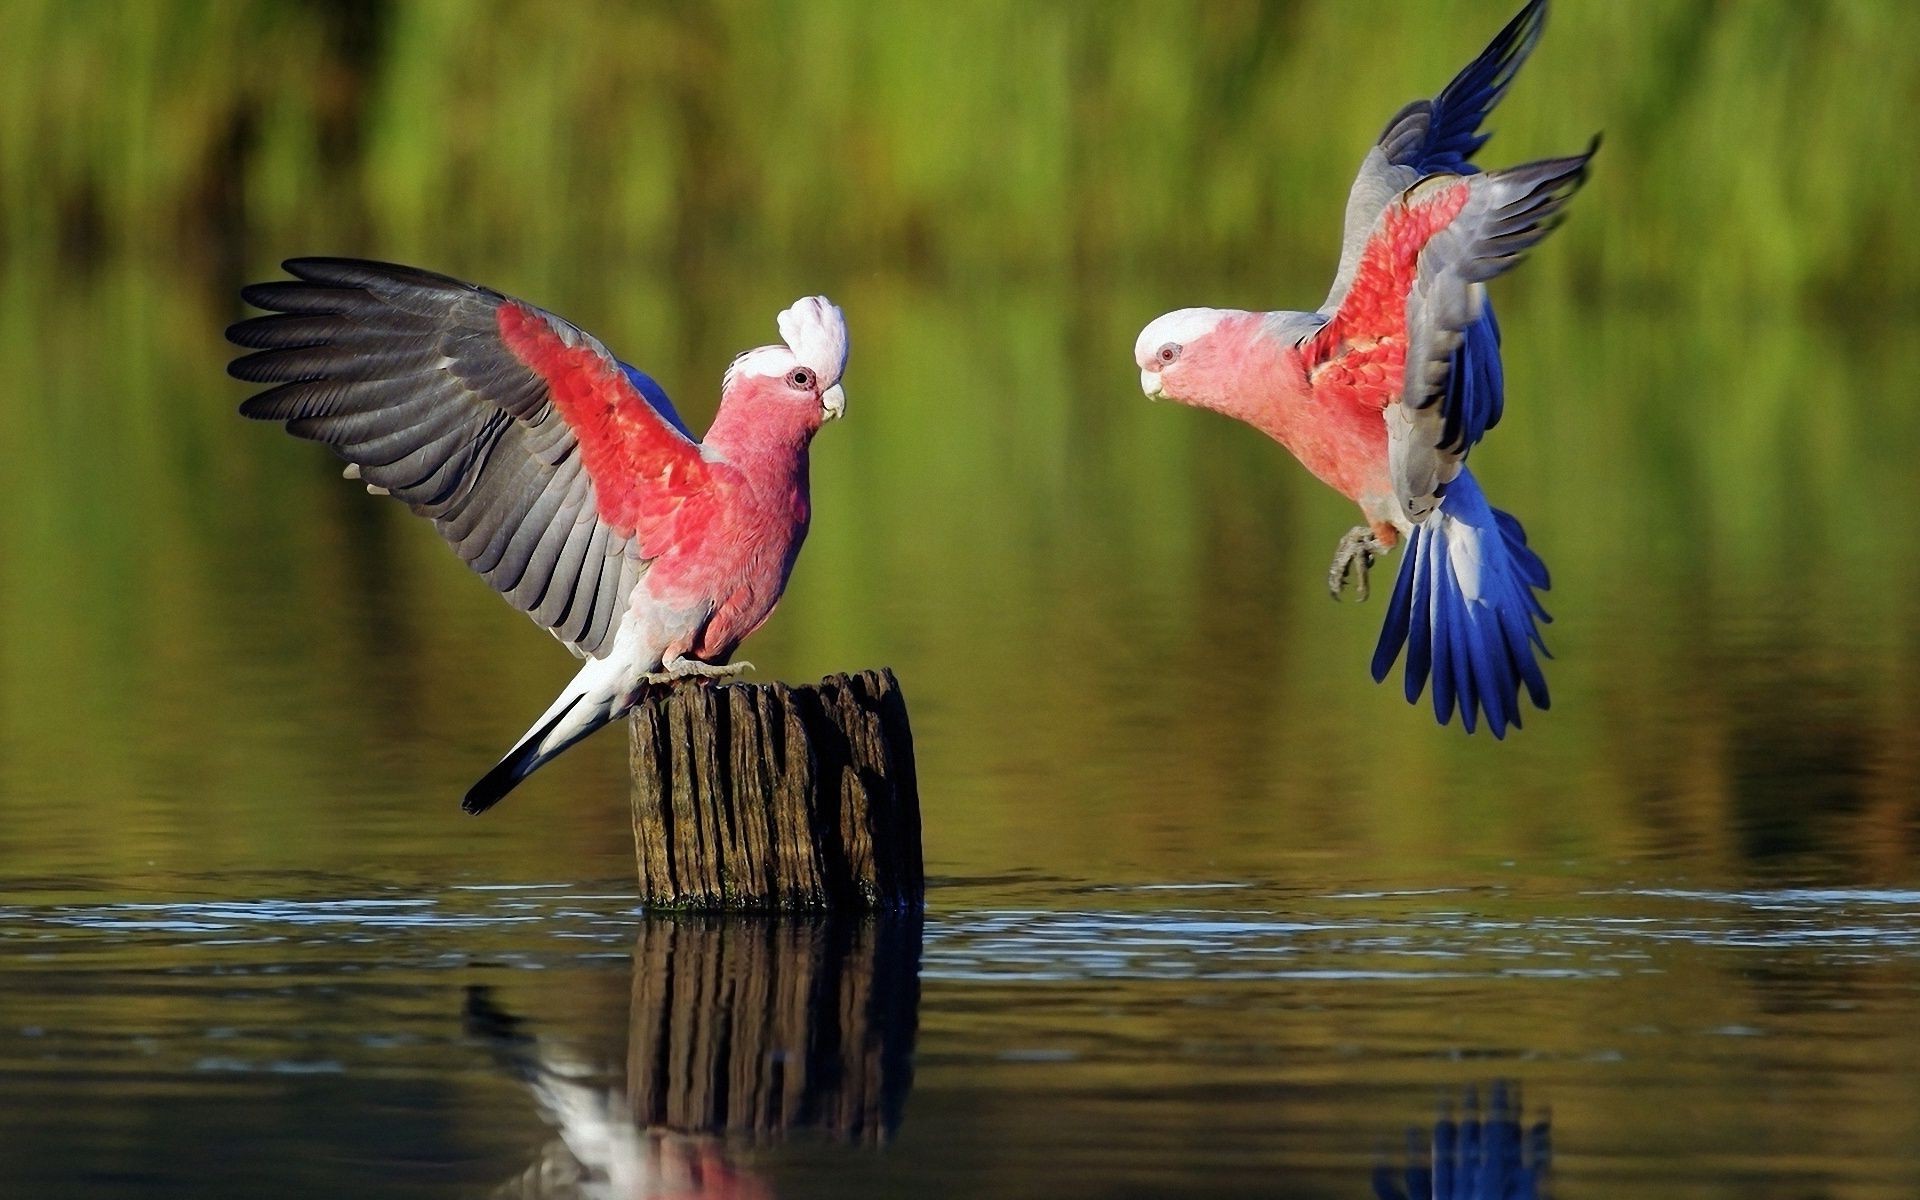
[[1359, 355], [642, 468], [1420, 282]]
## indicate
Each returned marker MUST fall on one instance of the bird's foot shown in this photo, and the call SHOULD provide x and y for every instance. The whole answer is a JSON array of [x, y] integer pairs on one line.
[[688, 668], [1354, 557]]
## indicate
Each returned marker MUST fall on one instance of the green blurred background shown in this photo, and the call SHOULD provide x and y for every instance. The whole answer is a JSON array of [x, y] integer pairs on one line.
[[1108, 614], [226, 673]]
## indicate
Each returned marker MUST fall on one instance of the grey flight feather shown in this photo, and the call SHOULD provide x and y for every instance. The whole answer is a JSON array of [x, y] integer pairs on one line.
[[1506, 213], [404, 374], [1431, 137], [1379, 182]]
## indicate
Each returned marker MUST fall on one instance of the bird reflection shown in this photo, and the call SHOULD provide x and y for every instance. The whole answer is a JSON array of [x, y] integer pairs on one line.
[[1478, 1154], [742, 1030], [600, 1152]]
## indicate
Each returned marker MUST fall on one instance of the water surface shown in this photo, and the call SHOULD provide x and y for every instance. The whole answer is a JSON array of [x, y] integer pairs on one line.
[[1037, 1036]]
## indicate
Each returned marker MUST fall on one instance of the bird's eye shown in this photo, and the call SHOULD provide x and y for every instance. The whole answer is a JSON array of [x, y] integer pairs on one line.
[[1169, 352], [800, 377]]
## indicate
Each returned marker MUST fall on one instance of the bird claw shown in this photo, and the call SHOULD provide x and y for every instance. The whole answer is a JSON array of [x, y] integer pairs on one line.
[[1354, 557], [687, 668]]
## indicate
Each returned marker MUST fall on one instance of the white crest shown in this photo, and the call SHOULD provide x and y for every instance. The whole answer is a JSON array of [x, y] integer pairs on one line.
[[816, 331], [816, 337]]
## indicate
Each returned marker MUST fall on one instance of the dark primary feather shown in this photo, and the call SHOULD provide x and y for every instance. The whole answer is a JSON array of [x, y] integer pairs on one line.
[[1524, 205], [1473, 392], [404, 374], [1476, 389], [1453, 345], [1441, 136]]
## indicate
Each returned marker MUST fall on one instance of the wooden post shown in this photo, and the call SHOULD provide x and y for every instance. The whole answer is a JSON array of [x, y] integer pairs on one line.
[[765, 796], [755, 1027]]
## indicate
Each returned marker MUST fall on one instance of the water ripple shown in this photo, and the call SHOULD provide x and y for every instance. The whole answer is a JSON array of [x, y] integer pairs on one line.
[[1351, 934]]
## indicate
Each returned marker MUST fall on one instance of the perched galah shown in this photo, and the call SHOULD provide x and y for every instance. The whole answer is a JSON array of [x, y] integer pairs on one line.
[[1384, 390], [560, 474]]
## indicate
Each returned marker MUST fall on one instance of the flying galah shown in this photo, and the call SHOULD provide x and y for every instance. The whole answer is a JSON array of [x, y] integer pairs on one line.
[[1384, 390], [560, 474]]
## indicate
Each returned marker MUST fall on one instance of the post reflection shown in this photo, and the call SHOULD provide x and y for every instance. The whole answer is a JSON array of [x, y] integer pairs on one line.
[[1477, 1153], [742, 1030]]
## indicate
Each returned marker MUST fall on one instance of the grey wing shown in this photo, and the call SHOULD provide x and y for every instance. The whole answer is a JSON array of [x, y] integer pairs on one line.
[[405, 375], [1379, 182], [1506, 213], [1434, 137]]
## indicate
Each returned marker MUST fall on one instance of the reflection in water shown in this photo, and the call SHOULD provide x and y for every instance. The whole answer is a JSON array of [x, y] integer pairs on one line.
[[601, 1152], [760, 1026], [1478, 1155], [1066, 1039], [742, 1030]]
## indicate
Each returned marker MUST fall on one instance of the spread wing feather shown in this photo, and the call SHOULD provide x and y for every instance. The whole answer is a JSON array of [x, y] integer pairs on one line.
[[547, 464], [1433, 137], [1416, 312], [1506, 213], [1441, 135]]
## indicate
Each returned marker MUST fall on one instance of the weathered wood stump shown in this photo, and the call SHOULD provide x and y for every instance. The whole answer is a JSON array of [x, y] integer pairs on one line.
[[766, 796], [755, 1027]]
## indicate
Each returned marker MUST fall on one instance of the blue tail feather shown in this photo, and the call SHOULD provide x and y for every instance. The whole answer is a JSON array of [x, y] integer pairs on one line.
[[1464, 609]]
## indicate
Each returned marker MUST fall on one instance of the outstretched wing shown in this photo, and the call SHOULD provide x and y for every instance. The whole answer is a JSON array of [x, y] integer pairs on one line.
[[1434, 137], [1418, 292], [553, 469], [1441, 135]]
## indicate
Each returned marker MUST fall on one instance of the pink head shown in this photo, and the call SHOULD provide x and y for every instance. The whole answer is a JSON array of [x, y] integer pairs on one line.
[[1194, 356], [775, 393]]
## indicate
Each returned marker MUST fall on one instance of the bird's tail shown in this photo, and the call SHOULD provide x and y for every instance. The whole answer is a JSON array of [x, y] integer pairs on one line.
[[1464, 608], [583, 707]]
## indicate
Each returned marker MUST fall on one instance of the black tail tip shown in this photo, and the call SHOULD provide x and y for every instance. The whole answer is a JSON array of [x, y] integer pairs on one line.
[[492, 788], [519, 763]]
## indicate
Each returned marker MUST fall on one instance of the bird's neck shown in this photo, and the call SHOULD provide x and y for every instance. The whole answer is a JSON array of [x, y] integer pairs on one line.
[[765, 437], [1260, 377], [1251, 376]]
